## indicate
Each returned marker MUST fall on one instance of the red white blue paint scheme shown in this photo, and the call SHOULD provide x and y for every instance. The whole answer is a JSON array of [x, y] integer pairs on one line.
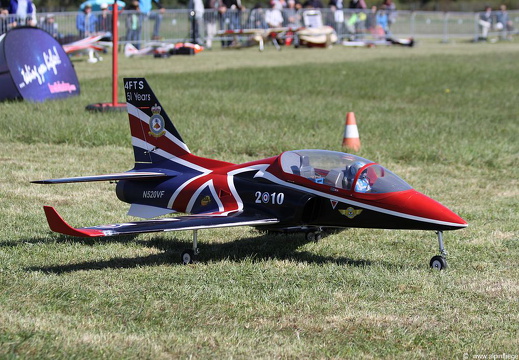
[[308, 191]]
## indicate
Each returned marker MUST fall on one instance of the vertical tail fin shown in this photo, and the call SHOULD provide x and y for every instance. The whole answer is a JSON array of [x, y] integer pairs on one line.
[[154, 137], [130, 50]]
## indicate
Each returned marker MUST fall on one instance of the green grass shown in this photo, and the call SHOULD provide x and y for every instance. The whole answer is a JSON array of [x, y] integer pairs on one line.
[[444, 117]]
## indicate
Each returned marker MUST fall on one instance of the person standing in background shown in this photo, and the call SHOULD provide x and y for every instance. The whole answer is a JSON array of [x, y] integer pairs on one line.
[[145, 7]]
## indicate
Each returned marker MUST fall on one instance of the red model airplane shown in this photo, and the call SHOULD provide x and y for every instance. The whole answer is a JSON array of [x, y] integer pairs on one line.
[[303, 190]]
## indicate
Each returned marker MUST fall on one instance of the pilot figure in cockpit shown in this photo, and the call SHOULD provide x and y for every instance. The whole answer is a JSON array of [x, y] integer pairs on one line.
[[362, 184]]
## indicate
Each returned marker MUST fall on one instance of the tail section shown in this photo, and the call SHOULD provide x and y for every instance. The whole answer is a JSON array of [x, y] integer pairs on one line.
[[155, 139]]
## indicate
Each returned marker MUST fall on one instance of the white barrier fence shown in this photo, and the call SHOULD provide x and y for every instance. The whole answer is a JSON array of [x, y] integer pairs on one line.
[[186, 25]]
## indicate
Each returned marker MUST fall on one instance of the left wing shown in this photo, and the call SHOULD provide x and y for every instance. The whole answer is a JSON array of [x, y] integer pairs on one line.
[[129, 175], [189, 222]]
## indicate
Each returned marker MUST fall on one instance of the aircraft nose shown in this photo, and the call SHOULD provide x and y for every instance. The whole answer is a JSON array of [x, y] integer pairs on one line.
[[423, 206]]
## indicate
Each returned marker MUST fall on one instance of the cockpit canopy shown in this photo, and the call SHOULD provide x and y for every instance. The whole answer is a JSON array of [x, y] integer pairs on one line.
[[342, 171]]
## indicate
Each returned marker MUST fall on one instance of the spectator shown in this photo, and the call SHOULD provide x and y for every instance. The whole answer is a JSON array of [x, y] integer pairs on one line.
[[485, 22], [134, 24], [198, 22], [356, 24], [503, 23], [279, 4], [371, 23], [145, 7], [383, 21], [357, 4], [32, 20], [49, 25], [24, 11], [292, 21], [293, 18], [230, 14], [4, 20], [390, 7], [210, 9], [273, 16], [336, 7], [313, 4], [104, 20], [257, 17], [86, 22]]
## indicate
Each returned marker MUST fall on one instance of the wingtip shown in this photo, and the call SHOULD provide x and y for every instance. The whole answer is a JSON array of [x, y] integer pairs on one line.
[[57, 224]]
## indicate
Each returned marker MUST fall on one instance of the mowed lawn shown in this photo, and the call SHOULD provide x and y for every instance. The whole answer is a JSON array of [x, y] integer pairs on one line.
[[445, 117]]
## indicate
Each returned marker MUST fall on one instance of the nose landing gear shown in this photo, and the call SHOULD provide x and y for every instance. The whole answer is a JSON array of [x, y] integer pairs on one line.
[[439, 262]]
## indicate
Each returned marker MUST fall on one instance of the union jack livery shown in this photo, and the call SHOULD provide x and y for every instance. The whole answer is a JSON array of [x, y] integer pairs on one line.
[[307, 191]]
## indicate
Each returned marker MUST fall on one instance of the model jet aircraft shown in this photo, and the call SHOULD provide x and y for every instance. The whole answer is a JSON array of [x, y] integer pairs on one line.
[[162, 49], [92, 45], [303, 190], [254, 36], [369, 43], [312, 34]]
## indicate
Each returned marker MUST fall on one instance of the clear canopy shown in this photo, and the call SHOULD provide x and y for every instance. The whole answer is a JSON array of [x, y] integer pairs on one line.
[[341, 170]]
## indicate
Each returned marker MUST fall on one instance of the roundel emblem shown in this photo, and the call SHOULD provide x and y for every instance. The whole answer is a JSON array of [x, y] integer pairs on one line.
[[157, 125]]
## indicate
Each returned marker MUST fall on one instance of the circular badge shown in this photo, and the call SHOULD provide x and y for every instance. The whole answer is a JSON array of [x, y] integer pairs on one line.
[[157, 125]]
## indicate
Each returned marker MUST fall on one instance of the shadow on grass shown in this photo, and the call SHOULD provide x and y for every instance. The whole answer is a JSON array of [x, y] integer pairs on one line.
[[62, 239], [258, 248]]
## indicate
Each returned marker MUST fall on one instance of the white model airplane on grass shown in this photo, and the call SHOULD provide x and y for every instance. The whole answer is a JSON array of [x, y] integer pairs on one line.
[[162, 49], [380, 42], [92, 45]]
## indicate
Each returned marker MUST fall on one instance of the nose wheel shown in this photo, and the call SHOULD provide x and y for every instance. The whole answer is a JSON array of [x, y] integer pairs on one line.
[[439, 262], [189, 255]]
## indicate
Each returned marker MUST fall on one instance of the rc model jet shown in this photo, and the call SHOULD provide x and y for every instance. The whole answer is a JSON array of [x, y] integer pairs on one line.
[[307, 191]]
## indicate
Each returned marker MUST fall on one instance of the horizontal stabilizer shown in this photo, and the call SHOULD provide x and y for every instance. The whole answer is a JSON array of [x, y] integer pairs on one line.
[[57, 224], [189, 222], [108, 177]]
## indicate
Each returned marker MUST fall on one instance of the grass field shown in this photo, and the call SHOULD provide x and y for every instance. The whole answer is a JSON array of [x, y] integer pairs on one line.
[[442, 116]]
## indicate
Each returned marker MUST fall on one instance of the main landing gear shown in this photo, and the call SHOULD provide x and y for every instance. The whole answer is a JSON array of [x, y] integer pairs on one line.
[[439, 262], [314, 236], [189, 255]]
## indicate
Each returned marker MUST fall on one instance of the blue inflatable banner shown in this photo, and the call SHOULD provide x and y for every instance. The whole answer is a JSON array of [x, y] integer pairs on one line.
[[34, 67]]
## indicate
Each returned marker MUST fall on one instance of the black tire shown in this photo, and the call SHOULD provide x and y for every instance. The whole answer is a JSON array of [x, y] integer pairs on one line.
[[187, 257], [310, 236], [314, 236], [438, 262]]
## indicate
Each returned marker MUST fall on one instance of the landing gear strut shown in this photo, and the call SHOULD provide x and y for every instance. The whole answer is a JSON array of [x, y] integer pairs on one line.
[[439, 262], [189, 255]]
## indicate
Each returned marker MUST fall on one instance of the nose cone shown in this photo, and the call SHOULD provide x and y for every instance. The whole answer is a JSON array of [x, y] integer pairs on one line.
[[422, 206]]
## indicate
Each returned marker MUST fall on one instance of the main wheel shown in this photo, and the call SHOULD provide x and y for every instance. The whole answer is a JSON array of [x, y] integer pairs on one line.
[[188, 256], [438, 262]]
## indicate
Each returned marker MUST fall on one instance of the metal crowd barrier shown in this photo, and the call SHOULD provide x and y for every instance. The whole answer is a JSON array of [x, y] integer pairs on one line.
[[183, 24]]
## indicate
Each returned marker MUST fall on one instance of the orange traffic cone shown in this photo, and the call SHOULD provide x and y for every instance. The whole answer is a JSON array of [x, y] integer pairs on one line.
[[351, 133]]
